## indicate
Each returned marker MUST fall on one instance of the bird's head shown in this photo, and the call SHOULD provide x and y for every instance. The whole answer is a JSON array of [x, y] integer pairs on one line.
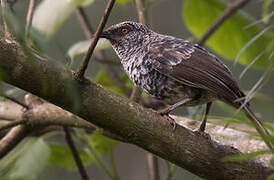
[[126, 35]]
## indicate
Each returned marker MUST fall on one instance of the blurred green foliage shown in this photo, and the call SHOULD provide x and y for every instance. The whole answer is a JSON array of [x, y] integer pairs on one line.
[[61, 157], [246, 156], [231, 36], [26, 161]]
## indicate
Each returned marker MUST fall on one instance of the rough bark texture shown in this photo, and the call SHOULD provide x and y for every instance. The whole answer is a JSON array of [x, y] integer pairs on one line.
[[118, 115]]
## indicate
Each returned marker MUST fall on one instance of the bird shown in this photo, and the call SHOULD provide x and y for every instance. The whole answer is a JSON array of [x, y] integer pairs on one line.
[[176, 71]]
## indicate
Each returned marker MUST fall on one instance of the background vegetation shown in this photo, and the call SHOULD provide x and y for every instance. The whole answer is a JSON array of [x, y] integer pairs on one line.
[[244, 40]]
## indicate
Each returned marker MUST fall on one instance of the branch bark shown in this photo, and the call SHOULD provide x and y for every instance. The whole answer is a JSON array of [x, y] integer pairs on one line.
[[183, 147]]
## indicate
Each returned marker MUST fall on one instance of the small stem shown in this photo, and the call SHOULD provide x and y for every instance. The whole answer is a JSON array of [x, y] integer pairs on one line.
[[29, 16], [83, 19], [170, 170], [112, 161], [153, 169], [75, 154], [81, 72], [14, 100], [100, 163], [141, 11], [12, 124], [5, 25], [99, 55], [226, 14]]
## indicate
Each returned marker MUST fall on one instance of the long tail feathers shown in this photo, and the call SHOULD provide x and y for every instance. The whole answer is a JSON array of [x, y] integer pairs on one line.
[[259, 127]]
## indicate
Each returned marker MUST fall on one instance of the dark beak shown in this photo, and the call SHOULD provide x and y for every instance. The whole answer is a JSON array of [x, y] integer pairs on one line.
[[105, 34]]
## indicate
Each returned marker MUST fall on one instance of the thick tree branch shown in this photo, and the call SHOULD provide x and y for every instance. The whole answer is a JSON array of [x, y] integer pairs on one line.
[[124, 118], [226, 14], [81, 72]]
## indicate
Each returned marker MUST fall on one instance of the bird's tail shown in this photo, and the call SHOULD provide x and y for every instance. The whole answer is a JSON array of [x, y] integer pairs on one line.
[[259, 127]]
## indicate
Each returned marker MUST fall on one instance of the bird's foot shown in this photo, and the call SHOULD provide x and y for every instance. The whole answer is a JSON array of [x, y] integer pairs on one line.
[[202, 133], [165, 114]]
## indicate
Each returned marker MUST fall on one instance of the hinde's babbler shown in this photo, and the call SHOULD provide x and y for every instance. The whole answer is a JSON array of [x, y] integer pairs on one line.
[[176, 71]]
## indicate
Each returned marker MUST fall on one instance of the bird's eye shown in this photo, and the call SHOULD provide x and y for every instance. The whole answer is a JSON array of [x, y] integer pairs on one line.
[[124, 31]]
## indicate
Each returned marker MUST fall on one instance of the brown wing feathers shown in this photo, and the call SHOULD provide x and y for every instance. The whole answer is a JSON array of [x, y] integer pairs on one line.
[[198, 69]]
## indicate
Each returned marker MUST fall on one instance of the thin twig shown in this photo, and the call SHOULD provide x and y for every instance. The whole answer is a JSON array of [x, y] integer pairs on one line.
[[29, 16], [12, 124], [5, 25], [141, 11], [99, 55], [81, 72], [75, 154], [14, 100], [153, 169], [83, 19], [226, 14]]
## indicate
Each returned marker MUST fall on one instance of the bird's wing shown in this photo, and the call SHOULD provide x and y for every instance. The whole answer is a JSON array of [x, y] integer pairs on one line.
[[193, 66]]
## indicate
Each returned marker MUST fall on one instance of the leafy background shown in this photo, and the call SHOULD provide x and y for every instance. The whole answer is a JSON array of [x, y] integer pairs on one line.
[[49, 157]]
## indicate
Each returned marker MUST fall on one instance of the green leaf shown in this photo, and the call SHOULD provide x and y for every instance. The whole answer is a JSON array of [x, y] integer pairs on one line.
[[103, 79], [124, 2], [101, 143], [82, 47], [231, 36], [271, 177], [50, 15], [61, 157], [266, 8], [26, 161], [245, 156]]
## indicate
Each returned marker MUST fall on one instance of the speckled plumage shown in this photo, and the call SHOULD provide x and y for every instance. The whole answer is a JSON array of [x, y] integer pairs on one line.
[[176, 71], [150, 59]]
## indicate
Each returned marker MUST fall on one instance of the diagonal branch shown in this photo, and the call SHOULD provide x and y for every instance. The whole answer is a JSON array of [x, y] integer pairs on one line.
[[12, 124], [75, 154], [14, 100], [226, 14], [12, 138], [5, 25], [124, 118], [83, 19], [99, 55], [153, 169], [81, 72], [29, 16]]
